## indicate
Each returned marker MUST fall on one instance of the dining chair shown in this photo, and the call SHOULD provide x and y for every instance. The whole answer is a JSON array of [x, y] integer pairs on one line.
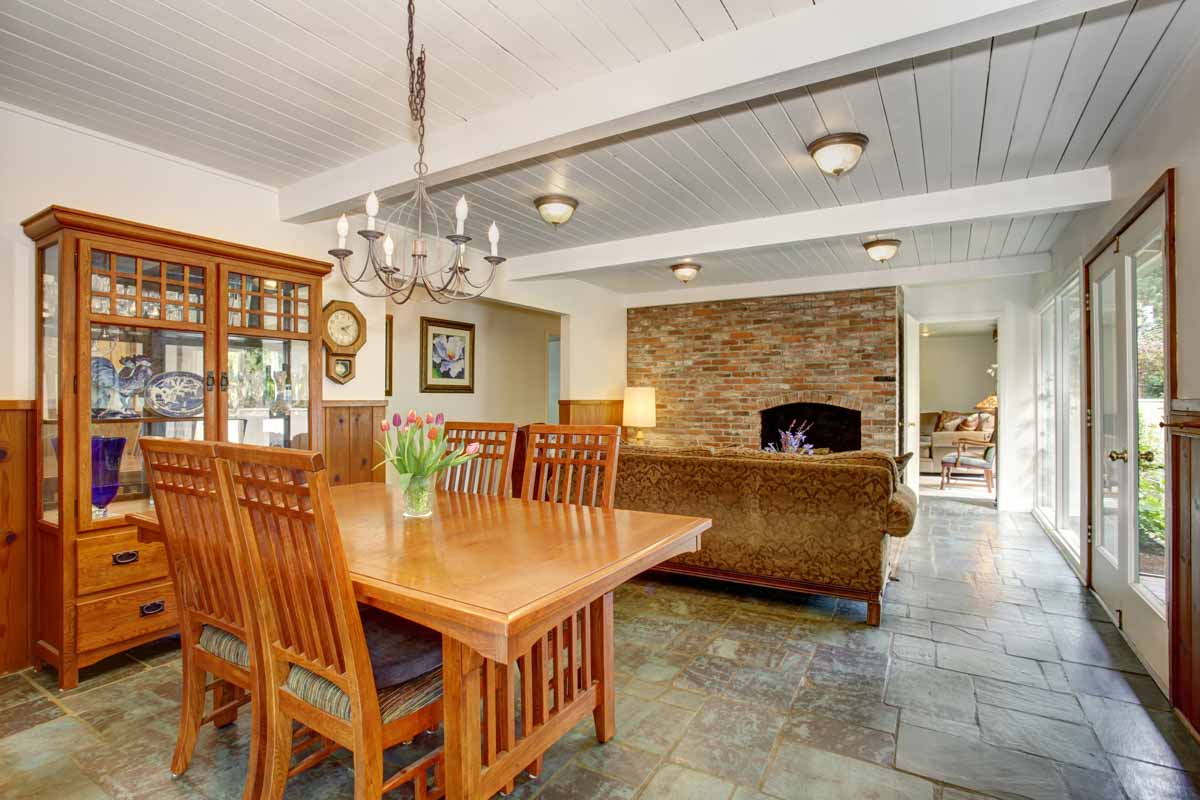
[[571, 464], [365, 683], [490, 472], [196, 515]]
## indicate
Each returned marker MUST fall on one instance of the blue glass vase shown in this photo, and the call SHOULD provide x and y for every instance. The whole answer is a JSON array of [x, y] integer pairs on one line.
[[106, 471]]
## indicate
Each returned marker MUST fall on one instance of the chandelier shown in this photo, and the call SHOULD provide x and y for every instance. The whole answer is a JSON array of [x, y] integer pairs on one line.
[[408, 248]]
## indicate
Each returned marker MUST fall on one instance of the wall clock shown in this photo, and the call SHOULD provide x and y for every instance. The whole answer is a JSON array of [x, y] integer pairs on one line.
[[344, 331]]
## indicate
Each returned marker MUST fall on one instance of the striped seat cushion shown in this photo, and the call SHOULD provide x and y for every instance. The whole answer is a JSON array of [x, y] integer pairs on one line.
[[223, 644], [394, 701]]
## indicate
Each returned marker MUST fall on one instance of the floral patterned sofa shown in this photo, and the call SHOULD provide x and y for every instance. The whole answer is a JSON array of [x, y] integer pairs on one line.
[[822, 524]]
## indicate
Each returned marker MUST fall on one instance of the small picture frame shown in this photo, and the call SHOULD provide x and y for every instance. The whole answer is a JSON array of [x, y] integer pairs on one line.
[[388, 321], [447, 356]]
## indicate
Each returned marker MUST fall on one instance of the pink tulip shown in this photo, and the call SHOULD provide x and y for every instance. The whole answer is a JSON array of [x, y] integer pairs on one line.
[[472, 448], [428, 418], [397, 420], [383, 425], [433, 434], [412, 416], [440, 419]]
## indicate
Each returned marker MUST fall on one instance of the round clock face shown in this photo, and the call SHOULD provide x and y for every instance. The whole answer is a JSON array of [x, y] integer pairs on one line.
[[342, 327]]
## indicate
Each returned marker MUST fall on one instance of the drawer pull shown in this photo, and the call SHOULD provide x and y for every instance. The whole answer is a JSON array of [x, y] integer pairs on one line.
[[125, 557], [152, 608]]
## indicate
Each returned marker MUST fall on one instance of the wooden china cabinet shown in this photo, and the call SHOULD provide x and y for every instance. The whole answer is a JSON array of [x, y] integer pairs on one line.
[[145, 331]]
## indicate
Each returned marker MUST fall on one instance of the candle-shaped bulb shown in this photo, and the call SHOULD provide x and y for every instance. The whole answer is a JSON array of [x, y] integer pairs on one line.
[[494, 238], [389, 247], [460, 213], [372, 210], [343, 229]]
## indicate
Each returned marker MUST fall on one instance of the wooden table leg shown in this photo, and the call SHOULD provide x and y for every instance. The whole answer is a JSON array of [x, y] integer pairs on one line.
[[601, 612], [462, 670]]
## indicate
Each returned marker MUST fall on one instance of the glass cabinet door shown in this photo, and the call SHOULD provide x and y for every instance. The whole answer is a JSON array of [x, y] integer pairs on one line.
[[148, 370], [268, 351], [50, 408]]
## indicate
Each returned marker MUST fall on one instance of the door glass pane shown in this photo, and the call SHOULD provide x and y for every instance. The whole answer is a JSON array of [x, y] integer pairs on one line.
[[142, 382], [1110, 442], [268, 391], [1151, 550], [1070, 415], [49, 378], [1046, 393]]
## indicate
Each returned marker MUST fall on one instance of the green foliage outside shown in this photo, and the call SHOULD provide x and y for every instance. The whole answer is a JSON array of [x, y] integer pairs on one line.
[[1152, 517]]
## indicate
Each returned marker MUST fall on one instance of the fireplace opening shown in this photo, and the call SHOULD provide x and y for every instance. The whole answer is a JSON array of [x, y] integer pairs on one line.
[[833, 427]]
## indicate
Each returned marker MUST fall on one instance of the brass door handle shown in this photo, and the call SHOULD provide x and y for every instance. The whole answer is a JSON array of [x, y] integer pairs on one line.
[[1146, 457], [1118, 455]]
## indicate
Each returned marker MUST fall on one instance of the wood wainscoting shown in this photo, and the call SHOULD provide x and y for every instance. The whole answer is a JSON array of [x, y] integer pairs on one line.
[[1184, 619], [590, 412], [16, 552], [351, 434]]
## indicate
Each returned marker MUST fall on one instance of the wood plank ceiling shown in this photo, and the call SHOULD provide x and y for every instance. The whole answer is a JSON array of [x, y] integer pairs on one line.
[[276, 90]]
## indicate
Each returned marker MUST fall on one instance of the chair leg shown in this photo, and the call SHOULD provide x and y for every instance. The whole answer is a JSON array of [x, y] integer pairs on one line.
[[277, 753], [368, 774], [987, 476], [945, 477], [874, 613], [191, 713], [223, 694]]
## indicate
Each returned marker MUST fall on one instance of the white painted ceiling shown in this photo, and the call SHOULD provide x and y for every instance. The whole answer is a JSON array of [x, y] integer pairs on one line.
[[1053, 99], [925, 246], [275, 90]]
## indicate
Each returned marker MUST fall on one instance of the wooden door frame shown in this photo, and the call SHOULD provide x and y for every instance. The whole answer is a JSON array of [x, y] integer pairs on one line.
[[1163, 187]]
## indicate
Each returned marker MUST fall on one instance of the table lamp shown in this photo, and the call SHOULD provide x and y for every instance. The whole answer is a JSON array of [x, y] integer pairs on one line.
[[639, 410]]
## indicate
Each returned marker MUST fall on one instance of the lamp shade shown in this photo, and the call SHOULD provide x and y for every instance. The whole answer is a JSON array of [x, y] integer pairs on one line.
[[639, 407], [989, 403]]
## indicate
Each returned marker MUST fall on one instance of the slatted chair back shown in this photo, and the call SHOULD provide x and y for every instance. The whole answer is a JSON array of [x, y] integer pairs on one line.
[[305, 596], [574, 464], [490, 472], [203, 551]]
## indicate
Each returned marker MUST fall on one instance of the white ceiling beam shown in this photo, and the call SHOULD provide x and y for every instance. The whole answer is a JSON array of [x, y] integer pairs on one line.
[[1068, 191], [807, 46], [980, 269]]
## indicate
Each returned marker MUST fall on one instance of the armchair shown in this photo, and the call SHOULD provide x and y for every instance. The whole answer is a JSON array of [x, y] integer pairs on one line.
[[970, 458]]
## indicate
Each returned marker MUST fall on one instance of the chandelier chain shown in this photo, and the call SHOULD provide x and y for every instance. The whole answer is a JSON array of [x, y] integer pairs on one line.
[[416, 88]]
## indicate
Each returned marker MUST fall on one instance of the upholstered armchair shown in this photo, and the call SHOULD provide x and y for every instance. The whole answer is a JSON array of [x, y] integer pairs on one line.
[[972, 458]]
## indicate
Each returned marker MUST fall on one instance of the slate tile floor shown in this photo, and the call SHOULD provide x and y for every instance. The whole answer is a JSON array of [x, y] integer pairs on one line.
[[993, 675]]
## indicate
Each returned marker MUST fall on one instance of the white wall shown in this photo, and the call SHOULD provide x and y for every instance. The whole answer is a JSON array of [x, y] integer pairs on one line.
[[511, 367], [954, 373], [45, 161], [1167, 136]]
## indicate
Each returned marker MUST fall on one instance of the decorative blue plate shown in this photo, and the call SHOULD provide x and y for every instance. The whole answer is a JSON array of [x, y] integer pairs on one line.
[[176, 394], [104, 379]]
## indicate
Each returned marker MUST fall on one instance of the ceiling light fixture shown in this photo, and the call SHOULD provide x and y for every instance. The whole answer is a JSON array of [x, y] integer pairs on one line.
[[685, 271], [426, 257], [882, 250], [556, 209], [837, 153]]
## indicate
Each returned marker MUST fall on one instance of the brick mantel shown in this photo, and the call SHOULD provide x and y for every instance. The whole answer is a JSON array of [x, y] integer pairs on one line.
[[715, 365]]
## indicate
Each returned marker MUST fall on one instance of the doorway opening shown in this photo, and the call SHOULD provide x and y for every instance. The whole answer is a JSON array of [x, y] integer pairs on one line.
[[553, 377]]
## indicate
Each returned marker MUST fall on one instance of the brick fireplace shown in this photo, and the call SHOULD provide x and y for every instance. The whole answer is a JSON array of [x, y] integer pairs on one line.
[[717, 365]]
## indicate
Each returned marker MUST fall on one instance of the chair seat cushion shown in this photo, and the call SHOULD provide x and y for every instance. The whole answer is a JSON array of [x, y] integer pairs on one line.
[[955, 460], [400, 650], [223, 644], [394, 701]]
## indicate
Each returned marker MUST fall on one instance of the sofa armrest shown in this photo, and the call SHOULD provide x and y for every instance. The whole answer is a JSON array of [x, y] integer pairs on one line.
[[902, 511]]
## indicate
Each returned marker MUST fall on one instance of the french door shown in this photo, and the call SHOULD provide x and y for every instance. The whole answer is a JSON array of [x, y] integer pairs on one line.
[[1128, 472]]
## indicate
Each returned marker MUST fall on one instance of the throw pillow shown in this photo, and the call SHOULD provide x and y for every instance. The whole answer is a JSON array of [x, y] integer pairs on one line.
[[951, 421], [987, 422], [971, 422]]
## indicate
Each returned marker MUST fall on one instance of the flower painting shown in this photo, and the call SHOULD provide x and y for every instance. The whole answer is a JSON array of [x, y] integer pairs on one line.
[[447, 356]]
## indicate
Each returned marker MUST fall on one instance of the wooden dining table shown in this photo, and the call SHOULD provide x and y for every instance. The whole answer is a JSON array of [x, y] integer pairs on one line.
[[522, 593]]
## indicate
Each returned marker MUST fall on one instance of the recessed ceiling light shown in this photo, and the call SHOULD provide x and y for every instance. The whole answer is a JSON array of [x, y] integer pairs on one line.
[[837, 153], [556, 208], [685, 271], [882, 249]]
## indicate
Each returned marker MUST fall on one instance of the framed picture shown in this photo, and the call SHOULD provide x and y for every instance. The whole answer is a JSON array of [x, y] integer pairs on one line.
[[447, 356], [387, 355]]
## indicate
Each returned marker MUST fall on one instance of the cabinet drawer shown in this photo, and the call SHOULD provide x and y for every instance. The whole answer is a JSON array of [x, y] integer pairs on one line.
[[112, 560], [117, 617]]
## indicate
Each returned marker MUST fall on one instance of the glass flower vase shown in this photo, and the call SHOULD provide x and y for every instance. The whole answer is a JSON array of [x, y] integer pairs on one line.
[[106, 472], [418, 497]]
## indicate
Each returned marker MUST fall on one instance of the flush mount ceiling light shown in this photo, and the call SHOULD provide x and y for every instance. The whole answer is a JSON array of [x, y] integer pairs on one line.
[[837, 153], [556, 208], [685, 271], [882, 250]]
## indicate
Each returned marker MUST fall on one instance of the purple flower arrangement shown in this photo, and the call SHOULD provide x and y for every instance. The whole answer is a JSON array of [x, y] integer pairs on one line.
[[793, 440]]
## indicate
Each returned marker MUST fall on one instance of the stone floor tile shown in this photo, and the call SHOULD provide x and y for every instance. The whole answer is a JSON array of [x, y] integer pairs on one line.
[[911, 648], [950, 793], [1007, 627], [967, 637], [997, 609], [1098, 644], [730, 740], [964, 730], [1071, 604], [1144, 781], [852, 670], [674, 782], [28, 751], [840, 737], [23, 716], [990, 665], [977, 765], [575, 782], [761, 687], [682, 698], [905, 626], [1019, 697], [1137, 732], [1024, 647], [618, 761], [1124, 686], [60, 778], [694, 638], [706, 674], [847, 706], [938, 692], [16, 689], [805, 773], [1061, 741], [949, 617], [1056, 679], [657, 729], [1087, 784], [99, 674]]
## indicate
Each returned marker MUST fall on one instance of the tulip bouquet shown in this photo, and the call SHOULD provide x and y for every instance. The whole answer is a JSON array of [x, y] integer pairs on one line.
[[415, 446]]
